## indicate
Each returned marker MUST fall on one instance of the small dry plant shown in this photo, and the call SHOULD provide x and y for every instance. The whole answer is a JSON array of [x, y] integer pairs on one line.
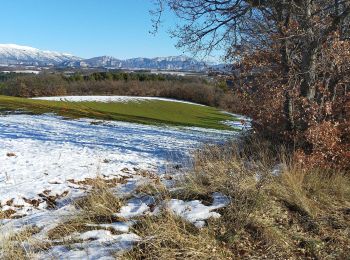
[[97, 207], [18, 245], [230, 171], [169, 237]]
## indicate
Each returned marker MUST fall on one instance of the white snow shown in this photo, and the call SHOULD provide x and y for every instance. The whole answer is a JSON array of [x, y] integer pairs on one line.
[[118, 226], [101, 236], [44, 152], [136, 207], [111, 99], [12, 53], [23, 71], [99, 244], [195, 211], [49, 154]]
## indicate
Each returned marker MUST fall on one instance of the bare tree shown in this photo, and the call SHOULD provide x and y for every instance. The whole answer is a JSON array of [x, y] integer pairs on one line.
[[242, 26], [235, 24]]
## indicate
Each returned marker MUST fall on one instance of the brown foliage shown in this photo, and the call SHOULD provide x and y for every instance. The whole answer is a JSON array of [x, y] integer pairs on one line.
[[294, 66], [318, 128]]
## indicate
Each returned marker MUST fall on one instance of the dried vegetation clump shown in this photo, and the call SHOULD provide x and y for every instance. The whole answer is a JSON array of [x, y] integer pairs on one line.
[[277, 210]]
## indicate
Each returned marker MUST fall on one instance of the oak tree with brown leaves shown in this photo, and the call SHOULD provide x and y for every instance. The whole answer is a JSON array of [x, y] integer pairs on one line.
[[294, 65]]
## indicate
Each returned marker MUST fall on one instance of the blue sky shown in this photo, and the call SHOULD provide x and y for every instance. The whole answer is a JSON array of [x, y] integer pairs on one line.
[[86, 28]]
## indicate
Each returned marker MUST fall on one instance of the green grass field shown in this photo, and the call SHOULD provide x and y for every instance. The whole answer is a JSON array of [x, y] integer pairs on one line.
[[144, 112]]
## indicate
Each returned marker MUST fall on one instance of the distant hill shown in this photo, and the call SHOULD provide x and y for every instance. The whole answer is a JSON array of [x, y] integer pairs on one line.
[[16, 55], [12, 54]]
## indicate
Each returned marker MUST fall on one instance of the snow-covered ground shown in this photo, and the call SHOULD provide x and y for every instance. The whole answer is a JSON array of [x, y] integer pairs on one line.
[[47, 155], [110, 99], [45, 152]]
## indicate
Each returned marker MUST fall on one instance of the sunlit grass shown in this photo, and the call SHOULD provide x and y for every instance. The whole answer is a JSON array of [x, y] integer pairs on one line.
[[144, 112]]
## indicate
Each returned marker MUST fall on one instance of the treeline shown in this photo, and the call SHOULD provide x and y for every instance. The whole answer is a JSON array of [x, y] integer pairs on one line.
[[7, 76], [192, 89], [116, 76]]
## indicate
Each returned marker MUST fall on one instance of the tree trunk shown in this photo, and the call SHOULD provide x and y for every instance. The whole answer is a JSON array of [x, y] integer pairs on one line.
[[289, 111], [283, 14], [308, 88], [309, 56]]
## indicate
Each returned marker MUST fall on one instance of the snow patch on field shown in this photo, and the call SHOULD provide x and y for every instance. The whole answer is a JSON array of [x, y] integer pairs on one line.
[[195, 211], [111, 99], [99, 244], [45, 153], [48, 155]]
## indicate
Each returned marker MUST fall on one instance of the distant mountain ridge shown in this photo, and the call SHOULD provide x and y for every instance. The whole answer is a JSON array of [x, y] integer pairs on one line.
[[12, 54], [16, 55]]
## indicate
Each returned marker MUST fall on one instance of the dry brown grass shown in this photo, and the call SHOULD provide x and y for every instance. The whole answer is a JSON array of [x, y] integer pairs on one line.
[[328, 187], [152, 189], [228, 171], [226, 168], [6, 213], [170, 237], [100, 202], [98, 206], [295, 214], [16, 245]]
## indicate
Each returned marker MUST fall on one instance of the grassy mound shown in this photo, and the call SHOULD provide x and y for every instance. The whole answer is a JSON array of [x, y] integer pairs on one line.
[[144, 112]]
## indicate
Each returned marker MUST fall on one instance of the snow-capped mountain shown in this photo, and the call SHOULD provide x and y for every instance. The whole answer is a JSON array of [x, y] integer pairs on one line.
[[161, 63], [166, 63], [12, 54], [104, 61]]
